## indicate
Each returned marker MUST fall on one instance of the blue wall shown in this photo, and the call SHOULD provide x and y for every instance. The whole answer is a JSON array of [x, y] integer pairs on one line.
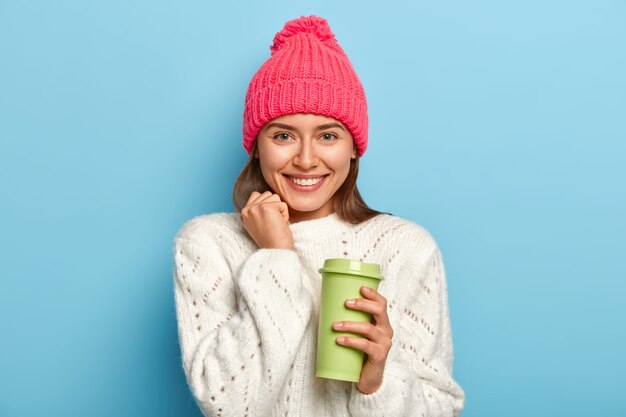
[[499, 126]]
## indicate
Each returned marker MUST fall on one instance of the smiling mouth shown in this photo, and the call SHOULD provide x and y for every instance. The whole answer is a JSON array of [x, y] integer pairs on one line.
[[308, 182]]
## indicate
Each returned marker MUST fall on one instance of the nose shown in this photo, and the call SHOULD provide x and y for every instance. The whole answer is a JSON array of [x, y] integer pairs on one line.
[[306, 156]]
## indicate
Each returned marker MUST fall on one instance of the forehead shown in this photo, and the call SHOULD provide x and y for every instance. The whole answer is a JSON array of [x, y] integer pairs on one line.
[[305, 120]]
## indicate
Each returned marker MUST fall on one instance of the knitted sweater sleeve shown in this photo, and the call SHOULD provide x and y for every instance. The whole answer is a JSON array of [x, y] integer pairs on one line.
[[239, 330], [418, 374]]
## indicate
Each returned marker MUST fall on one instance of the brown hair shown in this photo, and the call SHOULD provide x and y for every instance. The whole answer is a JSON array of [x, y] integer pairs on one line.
[[349, 204]]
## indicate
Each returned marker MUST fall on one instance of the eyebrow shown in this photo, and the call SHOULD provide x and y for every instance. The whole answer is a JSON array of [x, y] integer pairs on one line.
[[289, 127], [329, 125]]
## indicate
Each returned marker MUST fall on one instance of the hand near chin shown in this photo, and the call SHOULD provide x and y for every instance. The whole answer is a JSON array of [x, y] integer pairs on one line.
[[266, 219]]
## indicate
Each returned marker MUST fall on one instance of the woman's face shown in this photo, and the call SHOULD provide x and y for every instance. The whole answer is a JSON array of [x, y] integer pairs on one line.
[[305, 158]]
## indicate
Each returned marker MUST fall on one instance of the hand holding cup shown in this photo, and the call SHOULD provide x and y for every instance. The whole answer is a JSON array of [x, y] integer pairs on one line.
[[376, 342]]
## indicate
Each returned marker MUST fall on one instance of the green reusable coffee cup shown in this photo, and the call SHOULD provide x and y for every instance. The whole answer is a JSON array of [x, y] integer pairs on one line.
[[342, 279]]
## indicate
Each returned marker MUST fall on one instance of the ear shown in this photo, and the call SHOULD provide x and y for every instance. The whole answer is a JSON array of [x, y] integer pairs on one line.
[[353, 156]]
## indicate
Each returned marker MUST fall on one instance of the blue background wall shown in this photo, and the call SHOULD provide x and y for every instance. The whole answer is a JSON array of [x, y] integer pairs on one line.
[[499, 126]]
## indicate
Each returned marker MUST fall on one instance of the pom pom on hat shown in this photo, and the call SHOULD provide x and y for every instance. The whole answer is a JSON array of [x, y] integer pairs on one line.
[[307, 72], [314, 25]]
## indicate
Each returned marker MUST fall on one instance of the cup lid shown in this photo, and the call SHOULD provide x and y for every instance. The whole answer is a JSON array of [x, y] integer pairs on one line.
[[348, 266]]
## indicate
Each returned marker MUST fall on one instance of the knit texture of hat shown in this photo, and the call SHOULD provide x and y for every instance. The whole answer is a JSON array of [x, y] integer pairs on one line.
[[307, 72]]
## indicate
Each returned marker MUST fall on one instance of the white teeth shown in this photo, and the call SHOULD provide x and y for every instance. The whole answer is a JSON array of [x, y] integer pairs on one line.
[[308, 182]]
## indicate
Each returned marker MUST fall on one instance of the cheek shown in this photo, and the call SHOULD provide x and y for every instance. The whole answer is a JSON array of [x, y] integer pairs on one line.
[[339, 163], [273, 158], [271, 162], [341, 155], [269, 173]]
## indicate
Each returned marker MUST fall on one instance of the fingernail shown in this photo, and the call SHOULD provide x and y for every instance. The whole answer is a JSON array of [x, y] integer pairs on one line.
[[366, 290], [338, 324], [351, 302], [341, 339]]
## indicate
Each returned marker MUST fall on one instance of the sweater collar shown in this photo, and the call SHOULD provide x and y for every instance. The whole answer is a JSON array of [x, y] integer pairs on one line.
[[320, 227]]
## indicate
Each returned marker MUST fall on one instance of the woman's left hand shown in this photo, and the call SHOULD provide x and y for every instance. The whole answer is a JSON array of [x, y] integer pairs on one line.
[[377, 341]]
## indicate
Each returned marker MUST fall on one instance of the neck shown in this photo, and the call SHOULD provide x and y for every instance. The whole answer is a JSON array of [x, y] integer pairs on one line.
[[300, 216]]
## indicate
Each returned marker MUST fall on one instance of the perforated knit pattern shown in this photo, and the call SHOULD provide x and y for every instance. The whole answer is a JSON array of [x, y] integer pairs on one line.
[[248, 317]]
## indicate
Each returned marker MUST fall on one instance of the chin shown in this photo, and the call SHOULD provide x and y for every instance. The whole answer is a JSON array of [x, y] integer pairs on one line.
[[305, 205], [304, 208]]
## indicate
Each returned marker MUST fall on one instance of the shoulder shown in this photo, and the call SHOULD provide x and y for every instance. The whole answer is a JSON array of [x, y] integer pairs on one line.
[[209, 227], [409, 233], [401, 240], [404, 249]]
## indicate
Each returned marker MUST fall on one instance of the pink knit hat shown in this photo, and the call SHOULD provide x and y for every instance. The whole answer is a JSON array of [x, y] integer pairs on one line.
[[308, 72]]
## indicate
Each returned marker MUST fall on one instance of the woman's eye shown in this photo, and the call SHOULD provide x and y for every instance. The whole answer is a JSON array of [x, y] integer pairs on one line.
[[282, 136], [328, 136]]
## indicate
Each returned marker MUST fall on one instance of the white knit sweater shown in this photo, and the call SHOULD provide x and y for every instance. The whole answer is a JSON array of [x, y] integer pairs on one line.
[[248, 317]]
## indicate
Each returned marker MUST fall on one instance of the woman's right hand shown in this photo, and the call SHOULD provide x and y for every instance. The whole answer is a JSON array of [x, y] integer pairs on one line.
[[266, 218]]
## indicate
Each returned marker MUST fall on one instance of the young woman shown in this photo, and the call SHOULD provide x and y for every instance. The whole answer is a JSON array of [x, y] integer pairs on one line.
[[247, 285]]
